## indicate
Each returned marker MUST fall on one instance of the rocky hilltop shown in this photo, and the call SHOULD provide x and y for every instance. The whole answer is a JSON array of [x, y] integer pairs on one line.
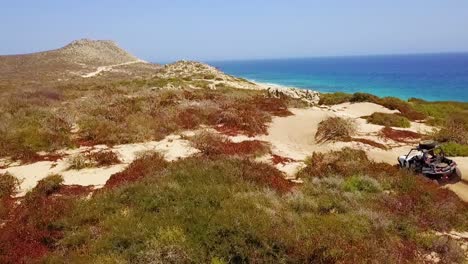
[[79, 58], [95, 52]]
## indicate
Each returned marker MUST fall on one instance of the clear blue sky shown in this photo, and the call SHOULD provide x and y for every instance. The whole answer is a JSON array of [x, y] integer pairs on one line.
[[240, 29]]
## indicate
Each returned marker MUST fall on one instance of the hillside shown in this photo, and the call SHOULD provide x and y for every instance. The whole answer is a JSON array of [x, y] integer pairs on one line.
[[79, 58], [124, 161]]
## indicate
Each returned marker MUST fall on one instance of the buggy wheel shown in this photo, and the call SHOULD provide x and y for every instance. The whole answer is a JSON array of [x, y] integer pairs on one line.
[[456, 176]]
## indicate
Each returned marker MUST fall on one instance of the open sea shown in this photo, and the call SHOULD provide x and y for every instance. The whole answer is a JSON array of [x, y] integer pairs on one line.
[[433, 77]]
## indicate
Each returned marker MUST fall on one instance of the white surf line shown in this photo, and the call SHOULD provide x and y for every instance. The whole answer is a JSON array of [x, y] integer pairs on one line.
[[109, 67]]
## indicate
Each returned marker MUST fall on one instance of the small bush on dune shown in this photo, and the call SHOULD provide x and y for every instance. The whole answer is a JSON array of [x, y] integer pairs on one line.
[[347, 162], [104, 158], [211, 145], [48, 185], [393, 103], [79, 162], [439, 111], [335, 128], [363, 97], [334, 98], [8, 184], [93, 159], [390, 120], [405, 108]]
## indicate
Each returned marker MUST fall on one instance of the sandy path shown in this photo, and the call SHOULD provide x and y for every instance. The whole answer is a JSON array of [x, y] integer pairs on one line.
[[109, 68], [173, 147]]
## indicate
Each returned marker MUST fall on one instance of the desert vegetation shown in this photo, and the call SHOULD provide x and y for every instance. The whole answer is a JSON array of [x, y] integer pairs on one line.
[[406, 108], [221, 205], [238, 210], [397, 135], [335, 128], [118, 112], [93, 159], [449, 117], [390, 120], [213, 145]]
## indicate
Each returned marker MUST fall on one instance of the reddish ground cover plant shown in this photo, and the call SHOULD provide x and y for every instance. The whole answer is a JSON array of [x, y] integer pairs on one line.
[[148, 162], [31, 228], [369, 142], [267, 175], [274, 106], [400, 135]]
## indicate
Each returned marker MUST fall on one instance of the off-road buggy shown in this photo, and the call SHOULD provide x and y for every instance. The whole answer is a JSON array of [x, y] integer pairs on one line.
[[429, 159]]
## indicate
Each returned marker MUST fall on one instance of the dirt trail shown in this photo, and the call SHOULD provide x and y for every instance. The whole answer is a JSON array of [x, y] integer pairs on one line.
[[109, 68]]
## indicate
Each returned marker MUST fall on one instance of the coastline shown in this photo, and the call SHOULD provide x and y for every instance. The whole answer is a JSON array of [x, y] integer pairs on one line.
[[405, 76]]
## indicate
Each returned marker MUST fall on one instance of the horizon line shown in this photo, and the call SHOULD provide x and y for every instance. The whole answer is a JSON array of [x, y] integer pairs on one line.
[[313, 57]]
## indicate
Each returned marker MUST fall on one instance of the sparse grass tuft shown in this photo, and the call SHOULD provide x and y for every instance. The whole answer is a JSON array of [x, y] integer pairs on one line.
[[100, 158], [335, 128], [390, 120]]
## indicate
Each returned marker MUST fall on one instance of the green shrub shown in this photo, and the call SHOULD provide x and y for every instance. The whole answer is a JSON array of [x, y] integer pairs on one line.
[[405, 108], [104, 158], [334, 98], [361, 184], [27, 131], [47, 186], [8, 184], [455, 149], [388, 120], [455, 129], [363, 97], [335, 128], [93, 159], [78, 162], [439, 111]]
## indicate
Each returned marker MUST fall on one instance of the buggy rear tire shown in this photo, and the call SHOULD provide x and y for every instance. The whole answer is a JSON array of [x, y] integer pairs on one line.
[[427, 144], [456, 176]]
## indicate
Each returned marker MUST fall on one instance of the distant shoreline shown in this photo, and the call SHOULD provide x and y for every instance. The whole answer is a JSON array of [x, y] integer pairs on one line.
[[433, 77]]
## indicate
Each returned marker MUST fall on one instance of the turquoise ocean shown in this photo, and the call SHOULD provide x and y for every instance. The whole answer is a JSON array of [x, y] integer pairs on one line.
[[433, 77]]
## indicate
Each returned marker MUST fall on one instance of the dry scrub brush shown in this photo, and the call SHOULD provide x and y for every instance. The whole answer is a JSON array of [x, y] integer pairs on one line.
[[334, 129], [212, 145]]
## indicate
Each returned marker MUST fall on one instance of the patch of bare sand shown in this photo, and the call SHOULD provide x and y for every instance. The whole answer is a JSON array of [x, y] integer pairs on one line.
[[173, 147], [293, 137]]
